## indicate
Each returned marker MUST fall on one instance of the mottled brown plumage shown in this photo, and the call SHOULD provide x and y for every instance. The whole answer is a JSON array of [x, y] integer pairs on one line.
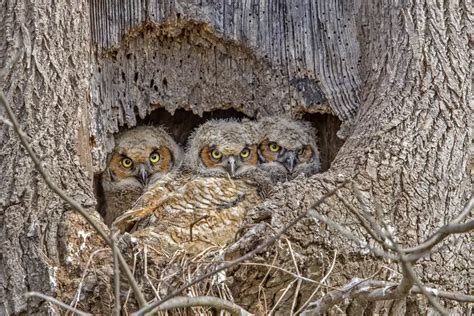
[[205, 206], [141, 157]]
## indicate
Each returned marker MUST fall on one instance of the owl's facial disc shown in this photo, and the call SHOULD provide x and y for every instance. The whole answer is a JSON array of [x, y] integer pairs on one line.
[[143, 164], [232, 162], [271, 152]]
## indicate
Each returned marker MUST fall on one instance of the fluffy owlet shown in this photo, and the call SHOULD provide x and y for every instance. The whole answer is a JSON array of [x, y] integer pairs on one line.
[[205, 206], [287, 147], [141, 157], [223, 148]]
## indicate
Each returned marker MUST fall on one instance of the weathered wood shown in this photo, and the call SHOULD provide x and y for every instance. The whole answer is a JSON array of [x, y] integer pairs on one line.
[[259, 57]]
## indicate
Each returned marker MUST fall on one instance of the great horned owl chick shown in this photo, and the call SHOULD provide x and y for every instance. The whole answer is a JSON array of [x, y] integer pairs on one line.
[[223, 148], [287, 147], [205, 206], [141, 156]]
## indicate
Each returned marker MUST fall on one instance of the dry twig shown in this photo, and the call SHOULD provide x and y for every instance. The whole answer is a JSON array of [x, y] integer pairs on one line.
[[116, 275], [208, 301], [55, 301]]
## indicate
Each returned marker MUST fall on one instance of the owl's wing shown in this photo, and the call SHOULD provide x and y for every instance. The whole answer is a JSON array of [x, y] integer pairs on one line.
[[146, 204], [200, 213]]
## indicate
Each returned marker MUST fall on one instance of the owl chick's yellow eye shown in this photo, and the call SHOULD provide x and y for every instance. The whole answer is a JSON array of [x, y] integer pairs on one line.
[[216, 154], [154, 158], [126, 163], [274, 147], [245, 153]]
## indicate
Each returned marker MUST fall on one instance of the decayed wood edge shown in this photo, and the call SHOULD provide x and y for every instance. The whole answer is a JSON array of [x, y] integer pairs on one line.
[[313, 38], [73, 203], [113, 75]]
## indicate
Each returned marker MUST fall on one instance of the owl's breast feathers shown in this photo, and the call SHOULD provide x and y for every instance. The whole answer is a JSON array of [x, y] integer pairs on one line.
[[191, 213]]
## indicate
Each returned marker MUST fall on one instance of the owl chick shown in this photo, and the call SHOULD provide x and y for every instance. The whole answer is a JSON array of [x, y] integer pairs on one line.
[[287, 147], [223, 148], [205, 206], [141, 157]]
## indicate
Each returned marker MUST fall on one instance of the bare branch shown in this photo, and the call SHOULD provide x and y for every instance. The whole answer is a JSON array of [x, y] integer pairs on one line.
[[370, 290], [437, 237], [466, 211], [245, 257], [296, 276], [362, 219], [409, 275], [209, 301], [374, 290], [55, 301], [319, 286], [116, 275], [65, 197], [77, 296], [363, 244]]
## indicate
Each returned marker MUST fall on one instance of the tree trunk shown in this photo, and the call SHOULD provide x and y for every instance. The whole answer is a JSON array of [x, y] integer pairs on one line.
[[45, 59], [396, 74]]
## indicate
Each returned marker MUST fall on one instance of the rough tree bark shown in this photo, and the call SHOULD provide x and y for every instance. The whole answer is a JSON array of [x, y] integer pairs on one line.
[[87, 69]]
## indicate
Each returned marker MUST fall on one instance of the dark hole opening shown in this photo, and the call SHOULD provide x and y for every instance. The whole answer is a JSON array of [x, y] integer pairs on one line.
[[99, 193], [182, 123], [327, 126]]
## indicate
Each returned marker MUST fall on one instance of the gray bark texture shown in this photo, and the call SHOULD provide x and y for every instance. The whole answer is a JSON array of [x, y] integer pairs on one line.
[[396, 73]]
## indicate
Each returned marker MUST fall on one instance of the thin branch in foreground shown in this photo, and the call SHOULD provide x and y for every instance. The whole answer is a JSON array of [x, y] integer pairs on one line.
[[205, 301], [73, 203], [346, 233], [77, 296], [245, 257], [409, 275], [451, 228], [116, 275], [303, 307], [55, 301], [374, 290]]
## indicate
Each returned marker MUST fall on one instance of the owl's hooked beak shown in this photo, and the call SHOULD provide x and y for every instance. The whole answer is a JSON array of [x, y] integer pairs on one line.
[[230, 166], [289, 160], [142, 174]]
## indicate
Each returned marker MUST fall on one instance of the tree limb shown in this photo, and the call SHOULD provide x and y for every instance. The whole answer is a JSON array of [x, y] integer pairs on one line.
[[370, 290], [115, 252]]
